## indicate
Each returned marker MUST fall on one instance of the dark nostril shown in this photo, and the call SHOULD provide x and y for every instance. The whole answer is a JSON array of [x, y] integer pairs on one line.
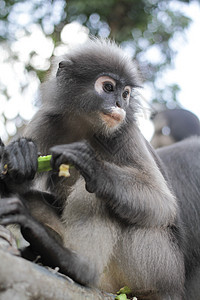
[[118, 104]]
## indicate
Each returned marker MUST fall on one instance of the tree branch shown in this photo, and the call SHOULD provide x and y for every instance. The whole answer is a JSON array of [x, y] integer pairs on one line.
[[24, 280]]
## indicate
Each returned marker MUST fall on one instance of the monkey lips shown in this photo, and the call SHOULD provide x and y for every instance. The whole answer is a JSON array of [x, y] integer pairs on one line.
[[114, 117]]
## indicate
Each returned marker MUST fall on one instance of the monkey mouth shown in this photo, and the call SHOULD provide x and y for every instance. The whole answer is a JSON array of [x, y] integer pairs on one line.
[[114, 117]]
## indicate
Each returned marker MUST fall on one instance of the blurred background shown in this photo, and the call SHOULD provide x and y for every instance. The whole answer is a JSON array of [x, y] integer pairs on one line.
[[163, 36]]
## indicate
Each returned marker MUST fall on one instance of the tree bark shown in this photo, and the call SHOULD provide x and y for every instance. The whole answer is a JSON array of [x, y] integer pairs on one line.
[[23, 280]]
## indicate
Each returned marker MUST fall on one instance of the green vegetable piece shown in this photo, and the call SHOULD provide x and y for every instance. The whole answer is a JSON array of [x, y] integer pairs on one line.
[[125, 290], [121, 297], [44, 163]]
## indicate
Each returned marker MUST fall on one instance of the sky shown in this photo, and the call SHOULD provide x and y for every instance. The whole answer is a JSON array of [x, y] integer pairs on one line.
[[185, 73], [187, 63]]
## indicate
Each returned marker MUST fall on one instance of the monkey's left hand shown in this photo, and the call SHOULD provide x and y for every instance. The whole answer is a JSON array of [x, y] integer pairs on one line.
[[19, 161], [1, 148], [82, 156]]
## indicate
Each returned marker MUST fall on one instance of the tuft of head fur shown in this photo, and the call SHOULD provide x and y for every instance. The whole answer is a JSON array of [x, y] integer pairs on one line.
[[72, 88], [104, 56]]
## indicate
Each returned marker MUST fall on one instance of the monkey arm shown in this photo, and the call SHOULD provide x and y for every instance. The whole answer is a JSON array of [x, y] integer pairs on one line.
[[21, 160], [14, 211], [135, 195]]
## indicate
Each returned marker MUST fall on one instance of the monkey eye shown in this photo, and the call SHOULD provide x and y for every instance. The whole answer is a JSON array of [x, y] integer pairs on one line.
[[108, 87], [104, 84], [126, 93]]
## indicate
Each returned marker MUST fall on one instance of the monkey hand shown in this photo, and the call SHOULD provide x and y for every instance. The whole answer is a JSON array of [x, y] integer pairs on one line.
[[19, 162], [2, 146], [13, 211], [82, 156], [52, 253]]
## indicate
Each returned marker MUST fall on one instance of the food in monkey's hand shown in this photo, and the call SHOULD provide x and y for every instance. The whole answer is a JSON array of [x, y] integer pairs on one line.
[[64, 170], [44, 164]]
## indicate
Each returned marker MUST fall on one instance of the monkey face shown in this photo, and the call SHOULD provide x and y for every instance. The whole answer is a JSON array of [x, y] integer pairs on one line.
[[94, 86], [115, 99]]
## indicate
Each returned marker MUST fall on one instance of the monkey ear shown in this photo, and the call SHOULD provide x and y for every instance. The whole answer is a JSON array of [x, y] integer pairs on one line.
[[64, 65]]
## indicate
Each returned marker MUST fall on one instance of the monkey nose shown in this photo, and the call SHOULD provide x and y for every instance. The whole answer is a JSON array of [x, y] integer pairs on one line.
[[118, 104]]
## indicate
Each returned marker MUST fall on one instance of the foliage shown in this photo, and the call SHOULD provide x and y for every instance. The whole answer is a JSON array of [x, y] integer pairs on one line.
[[140, 26]]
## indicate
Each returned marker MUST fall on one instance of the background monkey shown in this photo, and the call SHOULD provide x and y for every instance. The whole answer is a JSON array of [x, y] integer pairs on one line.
[[126, 220], [173, 125]]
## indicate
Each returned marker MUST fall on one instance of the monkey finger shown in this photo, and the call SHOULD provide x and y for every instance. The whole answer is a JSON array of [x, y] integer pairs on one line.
[[82, 156], [2, 146], [10, 206], [91, 185], [82, 147], [56, 161], [68, 159], [13, 219], [14, 159], [21, 158], [1, 143], [30, 154], [72, 159], [62, 155], [81, 161], [77, 146], [9, 209], [31, 160]]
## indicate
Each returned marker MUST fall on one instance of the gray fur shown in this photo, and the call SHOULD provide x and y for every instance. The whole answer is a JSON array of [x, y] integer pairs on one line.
[[126, 227]]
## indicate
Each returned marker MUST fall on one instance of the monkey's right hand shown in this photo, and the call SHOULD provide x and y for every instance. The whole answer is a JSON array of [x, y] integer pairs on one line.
[[19, 161], [2, 146]]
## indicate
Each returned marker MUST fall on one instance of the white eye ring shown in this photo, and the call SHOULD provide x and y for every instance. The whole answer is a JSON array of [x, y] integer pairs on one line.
[[101, 82], [126, 93]]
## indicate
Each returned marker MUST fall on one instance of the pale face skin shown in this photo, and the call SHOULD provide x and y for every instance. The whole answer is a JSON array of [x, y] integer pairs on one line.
[[116, 115]]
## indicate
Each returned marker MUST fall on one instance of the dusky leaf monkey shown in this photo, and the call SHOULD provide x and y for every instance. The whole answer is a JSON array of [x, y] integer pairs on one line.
[[173, 125], [129, 215]]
